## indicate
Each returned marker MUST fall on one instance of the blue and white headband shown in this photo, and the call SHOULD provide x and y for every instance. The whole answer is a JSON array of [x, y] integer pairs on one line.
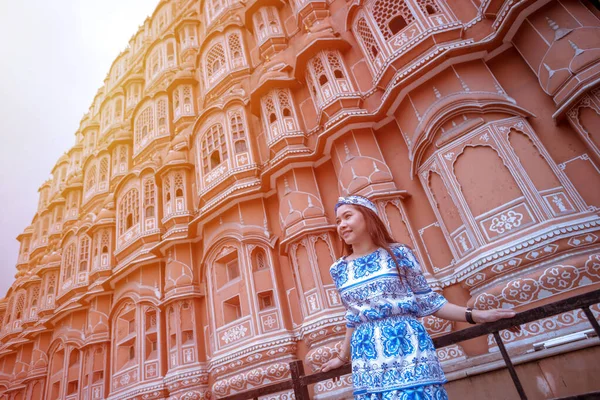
[[356, 201]]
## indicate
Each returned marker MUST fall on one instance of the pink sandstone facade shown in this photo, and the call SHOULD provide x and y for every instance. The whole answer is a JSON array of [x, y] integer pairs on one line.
[[181, 249]]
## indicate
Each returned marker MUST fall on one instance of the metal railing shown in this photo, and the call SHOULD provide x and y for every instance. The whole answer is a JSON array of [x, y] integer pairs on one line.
[[299, 382]]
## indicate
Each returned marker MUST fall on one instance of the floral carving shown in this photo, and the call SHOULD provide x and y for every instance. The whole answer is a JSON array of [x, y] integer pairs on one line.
[[506, 222], [234, 334], [521, 290]]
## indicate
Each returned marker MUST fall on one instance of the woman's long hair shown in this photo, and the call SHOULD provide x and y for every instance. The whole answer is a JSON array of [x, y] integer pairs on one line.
[[377, 231]]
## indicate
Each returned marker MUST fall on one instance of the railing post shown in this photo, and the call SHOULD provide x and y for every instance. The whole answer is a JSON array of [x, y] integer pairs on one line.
[[590, 316], [510, 366], [300, 390]]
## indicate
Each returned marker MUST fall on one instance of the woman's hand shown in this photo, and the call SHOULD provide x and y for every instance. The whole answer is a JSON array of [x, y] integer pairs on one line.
[[334, 363], [482, 316]]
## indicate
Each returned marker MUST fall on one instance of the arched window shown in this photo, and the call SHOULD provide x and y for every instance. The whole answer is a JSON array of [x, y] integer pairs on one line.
[[215, 62], [90, 182], [278, 113], [223, 56], [214, 148], [144, 127], [103, 172], [129, 210], [327, 78], [235, 50]]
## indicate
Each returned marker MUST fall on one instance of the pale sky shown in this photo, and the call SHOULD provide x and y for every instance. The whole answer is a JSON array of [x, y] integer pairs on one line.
[[54, 55]]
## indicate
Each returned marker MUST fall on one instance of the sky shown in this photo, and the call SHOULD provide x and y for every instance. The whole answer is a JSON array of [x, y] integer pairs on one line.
[[54, 55]]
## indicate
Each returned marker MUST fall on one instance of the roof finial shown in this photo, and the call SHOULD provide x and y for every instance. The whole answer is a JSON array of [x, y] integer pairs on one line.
[[578, 51], [559, 32]]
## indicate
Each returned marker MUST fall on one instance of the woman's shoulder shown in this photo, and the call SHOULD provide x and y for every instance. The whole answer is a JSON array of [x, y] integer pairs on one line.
[[337, 262], [400, 249]]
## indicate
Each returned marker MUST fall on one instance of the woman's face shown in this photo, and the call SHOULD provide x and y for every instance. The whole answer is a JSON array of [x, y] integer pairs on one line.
[[351, 224]]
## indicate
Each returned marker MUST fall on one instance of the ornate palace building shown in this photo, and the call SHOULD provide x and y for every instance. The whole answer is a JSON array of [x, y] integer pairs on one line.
[[181, 249]]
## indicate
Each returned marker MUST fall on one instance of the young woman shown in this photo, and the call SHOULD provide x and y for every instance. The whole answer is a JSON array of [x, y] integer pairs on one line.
[[384, 291]]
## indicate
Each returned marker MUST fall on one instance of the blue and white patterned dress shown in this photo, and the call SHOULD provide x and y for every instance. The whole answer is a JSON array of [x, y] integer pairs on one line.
[[392, 354]]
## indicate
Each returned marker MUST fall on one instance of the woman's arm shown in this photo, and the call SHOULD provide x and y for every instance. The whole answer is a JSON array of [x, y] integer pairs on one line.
[[453, 312], [344, 355]]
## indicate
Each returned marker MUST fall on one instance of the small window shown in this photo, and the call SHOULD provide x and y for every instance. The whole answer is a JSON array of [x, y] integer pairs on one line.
[[322, 80], [232, 309], [233, 270], [396, 24], [430, 9], [129, 223], [131, 353], [265, 300], [215, 159], [240, 146], [149, 212]]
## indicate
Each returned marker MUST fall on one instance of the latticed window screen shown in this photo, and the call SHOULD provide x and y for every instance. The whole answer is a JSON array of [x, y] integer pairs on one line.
[[105, 242], [319, 70], [149, 197], [214, 148], [335, 64], [84, 253], [143, 126], [235, 49], [35, 295], [91, 179], [161, 111], [391, 16], [215, 60], [167, 188], [118, 110], [284, 103], [123, 154], [367, 39], [19, 306], [238, 133], [104, 169], [69, 260], [178, 180], [129, 210], [270, 109], [187, 99], [51, 285]]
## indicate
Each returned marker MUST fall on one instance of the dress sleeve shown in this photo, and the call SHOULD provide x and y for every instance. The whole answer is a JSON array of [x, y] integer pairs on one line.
[[352, 318], [339, 275], [428, 301]]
